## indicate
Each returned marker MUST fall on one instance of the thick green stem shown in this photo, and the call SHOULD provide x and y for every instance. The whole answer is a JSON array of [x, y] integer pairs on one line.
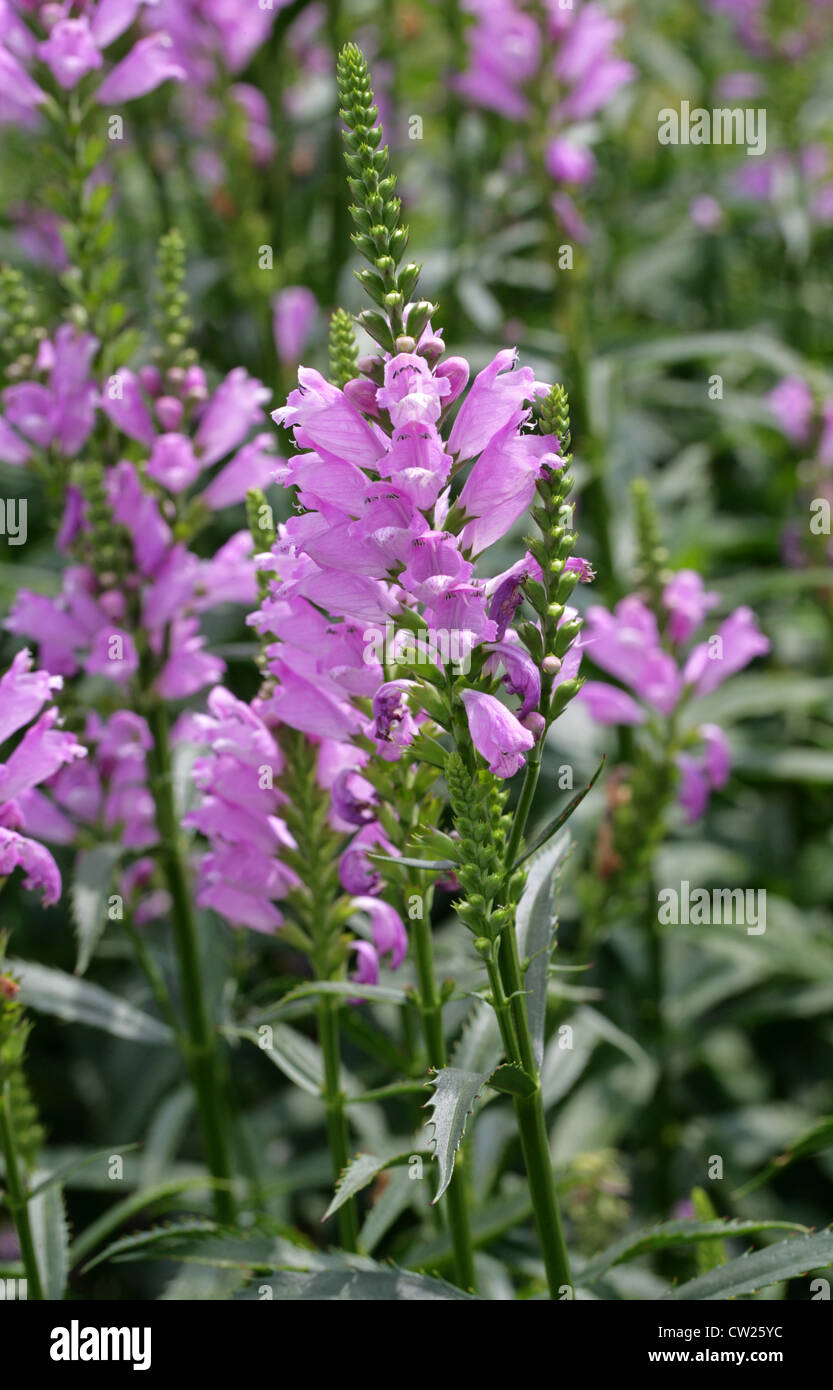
[[337, 1131], [202, 1057], [662, 1104], [16, 1196], [430, 1007], [529, 1111]]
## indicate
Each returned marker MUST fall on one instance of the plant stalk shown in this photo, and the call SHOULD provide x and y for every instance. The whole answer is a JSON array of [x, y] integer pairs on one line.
[[202, 1055], [430, 1008], [338, 1133], [529, 1110], [16, 1196]]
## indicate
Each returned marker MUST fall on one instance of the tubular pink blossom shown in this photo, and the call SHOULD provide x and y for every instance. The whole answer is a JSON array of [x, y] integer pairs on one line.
[[148, 64]]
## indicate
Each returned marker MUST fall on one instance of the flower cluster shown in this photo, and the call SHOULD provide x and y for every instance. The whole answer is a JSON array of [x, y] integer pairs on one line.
[[573, 52], [629, 645], [71, 46], [139, 587], [106, 799], [39, 754]]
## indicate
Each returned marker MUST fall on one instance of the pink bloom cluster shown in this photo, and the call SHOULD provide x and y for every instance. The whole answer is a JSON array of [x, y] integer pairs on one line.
[[70, 40], [760, 26], [239, 814], [96, 624], [56, 410], [208, 36], [106, 797], [627, 644], [40, 753], [367, 560], [509, 51]]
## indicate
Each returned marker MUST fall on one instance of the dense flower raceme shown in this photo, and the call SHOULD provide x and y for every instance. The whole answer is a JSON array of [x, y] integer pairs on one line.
[[509, 53], [768, 30], [627, 644], [99, 623], [106, 800], [184, 429], [366, 561], [243, 876], [55, 410], [809, 429], [209, 37], [40, 753], [70, 41]]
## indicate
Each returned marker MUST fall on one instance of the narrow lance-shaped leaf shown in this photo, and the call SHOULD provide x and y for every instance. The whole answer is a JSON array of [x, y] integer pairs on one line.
[[671, 1235], [560, 819], [89, 895], [77, 1001], [51, 1238], [787, 1260], [535, 927]]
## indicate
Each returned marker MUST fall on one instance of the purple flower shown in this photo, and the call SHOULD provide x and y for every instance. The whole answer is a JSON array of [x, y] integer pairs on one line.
[[148, 64], [501, 485], [388, 930], [354, 798], [294, 312], [358, 874], [496, 395], [61, 409], [569, 162], [327, 421], [22, 94], [496, 733], [791, 402], [626, 644], [688, 603], [39, 754], [70, 52], [738, 641], [367, 962], [699, 776], [610, 705]]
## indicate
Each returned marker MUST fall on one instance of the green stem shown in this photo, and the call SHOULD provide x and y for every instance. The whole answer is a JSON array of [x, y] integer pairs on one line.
[[529, 1111], [202, 1055], [16, 1196], [430, 1008], [334, 1100], [661, 1109]]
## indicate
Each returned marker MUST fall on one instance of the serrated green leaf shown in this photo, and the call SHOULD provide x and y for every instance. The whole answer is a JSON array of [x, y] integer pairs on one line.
[[203, 1242], [535, 924], [127, 1208], [357, 1285], [362, 1170], [50, 1234], [787, 1260], [88, 898], [65, 996], [670, 1235], [512, 1080], [452, 1101]]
